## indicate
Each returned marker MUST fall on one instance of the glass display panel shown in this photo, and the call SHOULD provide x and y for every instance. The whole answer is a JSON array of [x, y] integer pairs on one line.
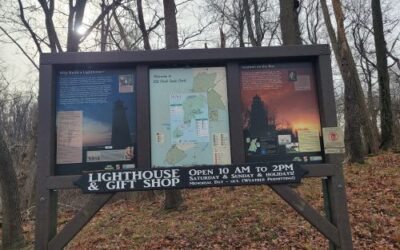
[[189, 117], [95, 120], [280, 113]]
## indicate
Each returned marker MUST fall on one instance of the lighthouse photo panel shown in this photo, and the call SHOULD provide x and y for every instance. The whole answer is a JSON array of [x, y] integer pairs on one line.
[[281, 120], [95, 120]]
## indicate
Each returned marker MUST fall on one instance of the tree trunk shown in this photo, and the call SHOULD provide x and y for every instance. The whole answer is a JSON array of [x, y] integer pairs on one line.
[[247, 15], [352, 83], [105, 28], [241, 31], [171, 28], [173, 198], [48, 9], [341, 50], [371, 102], [76, 14], [239, 14], [142, 26], [383, 76], [12, 237], [289, 20], [103, 34], [222, 38], [257, 23]]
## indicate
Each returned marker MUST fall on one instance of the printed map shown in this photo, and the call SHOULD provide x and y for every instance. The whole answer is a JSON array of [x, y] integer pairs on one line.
[[189, 117]]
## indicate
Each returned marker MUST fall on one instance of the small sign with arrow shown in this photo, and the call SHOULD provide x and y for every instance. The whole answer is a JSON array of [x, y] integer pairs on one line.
[[191, 177]]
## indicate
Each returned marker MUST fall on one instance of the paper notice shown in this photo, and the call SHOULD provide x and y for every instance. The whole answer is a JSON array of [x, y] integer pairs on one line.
[[309, 141], [221, 149], [108, 155], [333, 140], [160, 138], [284, 139], [69, 137], [303, 83], [125, 83]]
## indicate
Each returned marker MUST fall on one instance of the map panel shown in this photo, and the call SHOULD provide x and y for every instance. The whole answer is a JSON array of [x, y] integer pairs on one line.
[[189, 117]]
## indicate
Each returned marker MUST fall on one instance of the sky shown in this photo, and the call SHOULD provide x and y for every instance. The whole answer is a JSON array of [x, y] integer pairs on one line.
[[20, 71]]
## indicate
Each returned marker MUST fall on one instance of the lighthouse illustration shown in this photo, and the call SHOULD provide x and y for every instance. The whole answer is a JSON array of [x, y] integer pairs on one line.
[[120, 137]]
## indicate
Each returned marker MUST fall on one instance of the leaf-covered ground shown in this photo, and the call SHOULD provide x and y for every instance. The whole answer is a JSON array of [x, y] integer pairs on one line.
[[252, 217]]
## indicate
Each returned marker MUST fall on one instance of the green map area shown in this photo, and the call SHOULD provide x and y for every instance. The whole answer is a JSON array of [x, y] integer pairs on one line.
[[193, 106], [206, 82], [174, 155]]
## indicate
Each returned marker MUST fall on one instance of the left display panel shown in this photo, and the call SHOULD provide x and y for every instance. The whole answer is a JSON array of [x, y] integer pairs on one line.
[[95, 120]]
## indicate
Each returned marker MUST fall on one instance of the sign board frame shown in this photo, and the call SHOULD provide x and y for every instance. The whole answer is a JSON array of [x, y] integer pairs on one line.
[[334, 226]]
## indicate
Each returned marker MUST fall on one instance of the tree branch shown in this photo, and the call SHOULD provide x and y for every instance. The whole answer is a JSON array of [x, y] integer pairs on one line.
[[19, 46], [107, 9], [28, 27], [121, 31]]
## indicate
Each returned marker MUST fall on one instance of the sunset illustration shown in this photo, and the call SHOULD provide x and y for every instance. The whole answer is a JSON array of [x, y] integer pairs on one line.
[[287, 107]]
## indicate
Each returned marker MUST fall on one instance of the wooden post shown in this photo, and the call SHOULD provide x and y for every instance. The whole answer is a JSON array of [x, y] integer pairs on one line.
[[79, 221], [329, 119], [235, 114], [143, 117], [340, 216], [46, 200]]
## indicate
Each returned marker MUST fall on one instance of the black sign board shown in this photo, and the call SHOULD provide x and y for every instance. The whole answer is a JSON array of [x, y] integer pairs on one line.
[[101, 127], [190, 177]]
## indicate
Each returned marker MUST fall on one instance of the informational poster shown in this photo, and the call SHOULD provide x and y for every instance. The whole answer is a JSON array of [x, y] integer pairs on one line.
[[189, 117], [280, 113], [333, 140], [95, 120]]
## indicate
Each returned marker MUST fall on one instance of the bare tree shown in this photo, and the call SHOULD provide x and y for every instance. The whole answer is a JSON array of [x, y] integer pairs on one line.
[[257, 20], [311, 22], [12, 233], [383, 76], [351, 82], [231, 15], [132, 29], [122, 34], [173, 198], [395, 91], [359, 19], [12, 237], [256, 10], [75, 16]]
